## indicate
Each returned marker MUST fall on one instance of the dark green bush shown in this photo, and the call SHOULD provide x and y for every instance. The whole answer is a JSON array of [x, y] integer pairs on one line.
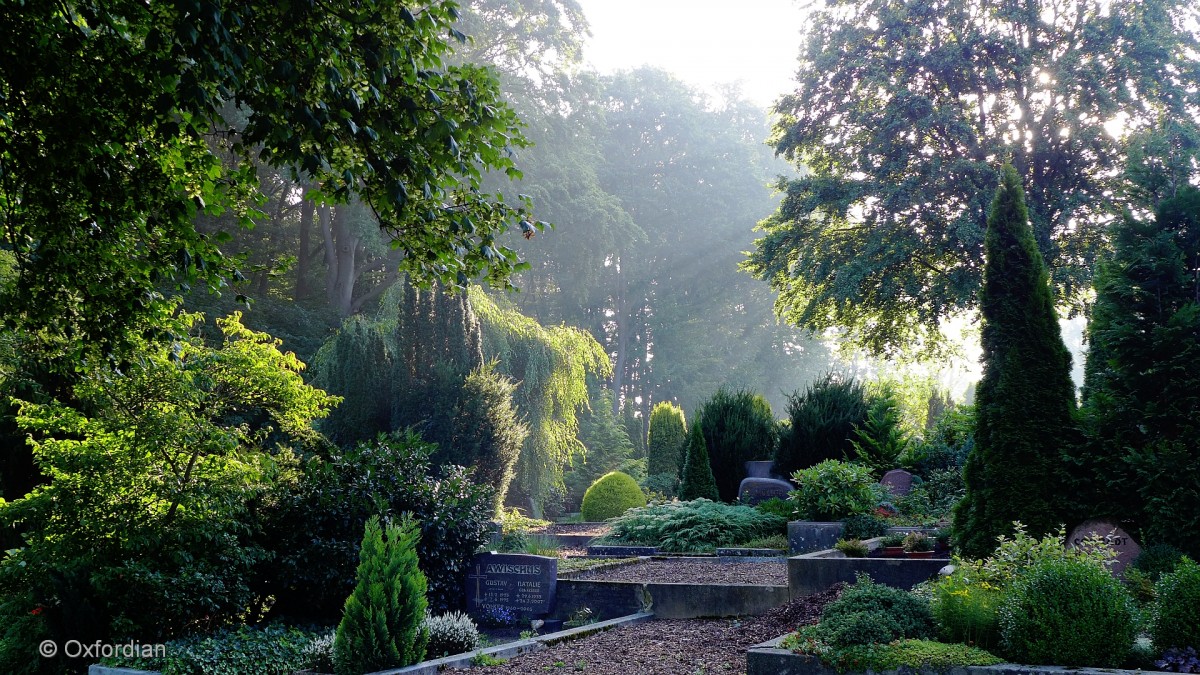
[[833, 490], [911, 614], [310, 521], [1156, 560], [383, 624], [697, 480], [738, 427], [266, 650], [666, 442], [822, 422], [660, 485], [775, 506], [611, 495], [1067, 612], [864, 526], [860, 628], [692, 526], [881, 440], [1176, 618]]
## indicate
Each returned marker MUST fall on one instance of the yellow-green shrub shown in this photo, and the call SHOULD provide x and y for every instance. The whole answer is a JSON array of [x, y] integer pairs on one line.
[[611, 495]]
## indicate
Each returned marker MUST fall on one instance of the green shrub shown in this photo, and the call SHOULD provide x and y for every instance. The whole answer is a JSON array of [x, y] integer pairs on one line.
[[266, 650], [967, 612], [822, 420], [880, 440], [914, 654], [694, 526], [1156, 560], [911, 614], [383, 625], [1067, 612], [310, 521], [452, 633], [833, 490], [1176, 618], [775, 506], [697, 480], [864, 526], [611, 495], [660, 485], [860, 628], [666, 442], [776, 541], [738, 427], [852, 548]]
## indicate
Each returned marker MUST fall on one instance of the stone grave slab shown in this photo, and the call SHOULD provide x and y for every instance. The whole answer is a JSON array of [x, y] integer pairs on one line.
[[898, 482], [757, 490], [1113, 535], [524, 584]]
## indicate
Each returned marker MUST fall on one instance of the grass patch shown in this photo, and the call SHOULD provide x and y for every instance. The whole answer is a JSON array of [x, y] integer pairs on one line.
[[775, 541]]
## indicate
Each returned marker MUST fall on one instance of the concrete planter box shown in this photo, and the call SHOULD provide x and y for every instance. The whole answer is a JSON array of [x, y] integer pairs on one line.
[[666, 601], [815, 572], [768, 659]]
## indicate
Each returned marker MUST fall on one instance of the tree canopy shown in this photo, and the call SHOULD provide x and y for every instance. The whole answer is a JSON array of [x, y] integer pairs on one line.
[[121, 122], [900, 114]]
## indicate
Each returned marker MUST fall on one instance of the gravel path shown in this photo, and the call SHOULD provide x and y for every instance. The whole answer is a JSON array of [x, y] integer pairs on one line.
[[694, 571], [592, 529], [674, 647]]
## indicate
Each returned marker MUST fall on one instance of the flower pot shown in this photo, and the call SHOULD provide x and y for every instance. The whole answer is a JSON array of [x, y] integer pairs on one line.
[[919, 554], [893, 551]]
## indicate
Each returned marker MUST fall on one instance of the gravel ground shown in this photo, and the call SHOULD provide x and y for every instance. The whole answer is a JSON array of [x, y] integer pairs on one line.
[[683, 571], [593, 529], [670, 647]]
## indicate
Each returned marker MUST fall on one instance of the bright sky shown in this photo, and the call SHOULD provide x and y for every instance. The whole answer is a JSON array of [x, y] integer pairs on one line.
[[703, 42]]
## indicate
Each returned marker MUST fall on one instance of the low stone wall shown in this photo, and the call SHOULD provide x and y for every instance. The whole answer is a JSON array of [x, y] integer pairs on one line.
[[667, 601], [768, 659], [816, 572]]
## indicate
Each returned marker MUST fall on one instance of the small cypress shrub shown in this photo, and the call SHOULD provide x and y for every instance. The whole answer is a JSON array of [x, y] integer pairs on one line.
[[383, 624], [611, 495], [1176, 618], [822, 422], [666, 445], [1067, 612], [697, 481]]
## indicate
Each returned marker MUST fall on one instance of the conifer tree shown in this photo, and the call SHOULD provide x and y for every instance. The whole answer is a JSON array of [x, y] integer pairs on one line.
[[383, 625], [667, 440], [1141, 401], [1025, 400], [738, 427], [698, 481]]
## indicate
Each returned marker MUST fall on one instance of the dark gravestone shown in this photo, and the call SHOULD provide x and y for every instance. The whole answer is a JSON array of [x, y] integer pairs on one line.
[[1114, 537], [757, 490], [522, 584], [898, 482]]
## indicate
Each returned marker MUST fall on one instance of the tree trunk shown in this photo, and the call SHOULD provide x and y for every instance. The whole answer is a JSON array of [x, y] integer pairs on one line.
[[302, 259]]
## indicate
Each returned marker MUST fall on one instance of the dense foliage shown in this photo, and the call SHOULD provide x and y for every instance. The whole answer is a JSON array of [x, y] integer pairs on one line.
[[738, 427], [608, 449], [610, 496], [451, 633], [1025, 402], [269, 650], [311, 521], [822, 421], [1067, 612], [901, 111], [694, 526], [1141, 403], [383, 623], [154, 115], [833, 490], [146, 527], [1176, 618]]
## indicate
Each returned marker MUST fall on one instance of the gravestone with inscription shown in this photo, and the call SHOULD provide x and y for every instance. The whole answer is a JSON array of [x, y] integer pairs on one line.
[[523, 584], [1114, 537]]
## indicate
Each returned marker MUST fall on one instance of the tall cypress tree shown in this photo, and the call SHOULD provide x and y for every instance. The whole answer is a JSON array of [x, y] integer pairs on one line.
[[667, 440], [698, 481], [1025, 401], [738, 427]]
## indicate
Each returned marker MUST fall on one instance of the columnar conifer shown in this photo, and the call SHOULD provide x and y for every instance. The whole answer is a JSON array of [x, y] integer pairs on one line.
[[667, 442], [698, 481], [1025, 400]]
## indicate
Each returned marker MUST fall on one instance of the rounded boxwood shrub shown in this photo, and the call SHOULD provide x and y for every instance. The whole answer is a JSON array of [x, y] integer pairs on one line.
[[611, 495], [1067, 612], [910, 613], [1176, 619]]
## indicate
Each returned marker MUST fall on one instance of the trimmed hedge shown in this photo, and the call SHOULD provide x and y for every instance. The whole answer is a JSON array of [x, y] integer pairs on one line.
[[611, 495]]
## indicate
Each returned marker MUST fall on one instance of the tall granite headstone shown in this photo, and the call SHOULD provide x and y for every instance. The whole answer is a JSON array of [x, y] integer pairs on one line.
[[1114, 537], [898, 482], [524, 584]]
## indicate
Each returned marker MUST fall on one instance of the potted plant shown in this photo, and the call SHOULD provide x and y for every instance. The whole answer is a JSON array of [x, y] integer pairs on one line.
[[824, 495], [942, 537], [852, 548], [918, 545], [893, 545]]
